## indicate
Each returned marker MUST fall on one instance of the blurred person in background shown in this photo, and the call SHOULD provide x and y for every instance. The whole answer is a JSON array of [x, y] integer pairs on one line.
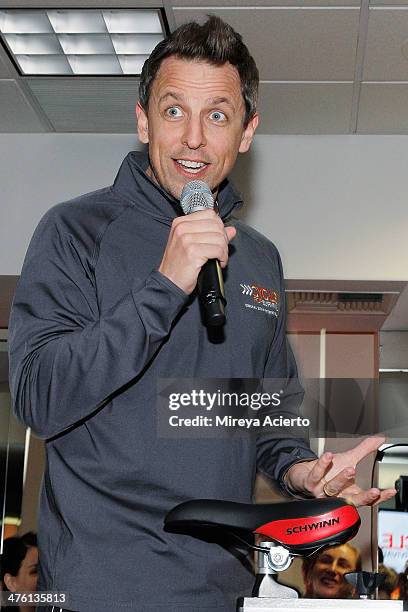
[[390, 583], [401, 588], [19, 563], [323, 574]]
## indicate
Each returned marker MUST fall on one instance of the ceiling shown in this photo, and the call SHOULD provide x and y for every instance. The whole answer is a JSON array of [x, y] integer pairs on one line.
[[326, 67]]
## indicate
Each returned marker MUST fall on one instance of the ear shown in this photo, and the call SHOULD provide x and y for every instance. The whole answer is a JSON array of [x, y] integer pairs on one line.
[[248, 134], [10, 582], [142, 124]]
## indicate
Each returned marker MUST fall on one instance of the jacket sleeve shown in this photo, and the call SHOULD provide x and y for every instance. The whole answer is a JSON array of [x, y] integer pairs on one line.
[[66, 357], [276, 455]]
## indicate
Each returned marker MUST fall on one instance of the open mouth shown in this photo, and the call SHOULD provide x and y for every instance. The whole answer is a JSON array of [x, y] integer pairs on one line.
[[190, 167]]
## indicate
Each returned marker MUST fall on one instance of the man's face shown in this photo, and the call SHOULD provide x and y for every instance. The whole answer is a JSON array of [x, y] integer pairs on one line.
[[194, 124], [326, 578]]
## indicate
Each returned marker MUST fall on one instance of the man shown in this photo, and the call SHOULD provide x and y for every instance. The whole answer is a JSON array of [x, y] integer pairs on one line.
[[106, 305], [323, 574]]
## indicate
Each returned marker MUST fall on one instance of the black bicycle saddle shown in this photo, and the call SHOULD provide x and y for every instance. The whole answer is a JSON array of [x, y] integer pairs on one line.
[[300, 526]]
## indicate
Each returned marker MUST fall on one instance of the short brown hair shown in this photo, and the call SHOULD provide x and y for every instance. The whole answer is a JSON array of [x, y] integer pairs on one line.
[[215, 42]]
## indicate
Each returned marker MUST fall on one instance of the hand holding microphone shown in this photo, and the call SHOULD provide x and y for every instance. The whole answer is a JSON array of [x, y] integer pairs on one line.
[[196, 241]]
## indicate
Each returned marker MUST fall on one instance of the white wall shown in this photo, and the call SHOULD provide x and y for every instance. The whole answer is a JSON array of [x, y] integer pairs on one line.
[[336, 206], [40, 170], [394, 349]]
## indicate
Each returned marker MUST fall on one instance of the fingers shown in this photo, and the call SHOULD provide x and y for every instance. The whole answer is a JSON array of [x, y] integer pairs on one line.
[[341, 481], [369, 497], [231, 232], [202, 221], [193, 240], [367, 446], [364, 498], [319, 470], [387, 494], [200, 252], [318, 485]]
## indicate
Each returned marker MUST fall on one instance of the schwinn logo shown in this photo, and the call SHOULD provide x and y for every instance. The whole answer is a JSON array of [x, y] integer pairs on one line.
[[312, 526], [264, 299]]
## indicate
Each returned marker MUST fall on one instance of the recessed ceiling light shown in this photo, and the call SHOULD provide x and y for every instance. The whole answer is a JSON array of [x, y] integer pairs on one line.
[[81, 42], [44, 64], [33, 44], [133, 22], [87, 44], [134, 44]]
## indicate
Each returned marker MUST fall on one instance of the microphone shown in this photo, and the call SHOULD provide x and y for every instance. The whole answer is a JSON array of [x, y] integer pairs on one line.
[[196, 195]]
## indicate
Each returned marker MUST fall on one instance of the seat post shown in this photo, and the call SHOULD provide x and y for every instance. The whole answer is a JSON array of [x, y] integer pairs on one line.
[[262, 560], [274, 559]]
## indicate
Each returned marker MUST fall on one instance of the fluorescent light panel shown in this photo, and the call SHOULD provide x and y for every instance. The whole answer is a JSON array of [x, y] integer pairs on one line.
[[24, 22], [77, 22], [133, 44], [44, 64], [94, 64], [132, 64], [33, 44], [97, 42], [133, 22], [87, 44]]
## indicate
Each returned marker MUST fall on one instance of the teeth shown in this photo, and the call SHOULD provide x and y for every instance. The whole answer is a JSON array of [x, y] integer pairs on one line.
[[190, 164]]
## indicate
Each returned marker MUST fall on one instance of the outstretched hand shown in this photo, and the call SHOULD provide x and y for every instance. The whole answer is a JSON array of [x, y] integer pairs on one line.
[[333, 475]]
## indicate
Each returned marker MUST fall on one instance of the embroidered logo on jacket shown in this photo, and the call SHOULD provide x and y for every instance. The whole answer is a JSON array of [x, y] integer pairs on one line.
[[266, 300]]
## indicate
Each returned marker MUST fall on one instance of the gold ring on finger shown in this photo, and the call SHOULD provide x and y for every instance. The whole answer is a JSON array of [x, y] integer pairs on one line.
[[327, 494]]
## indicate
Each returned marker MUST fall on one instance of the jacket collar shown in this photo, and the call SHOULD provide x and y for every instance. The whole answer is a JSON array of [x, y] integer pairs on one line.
[[133, 184]]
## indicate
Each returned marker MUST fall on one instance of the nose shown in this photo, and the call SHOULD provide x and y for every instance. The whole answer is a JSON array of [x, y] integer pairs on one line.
[[193, 135]]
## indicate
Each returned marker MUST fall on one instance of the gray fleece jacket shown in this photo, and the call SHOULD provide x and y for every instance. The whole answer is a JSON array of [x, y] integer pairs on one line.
[[94, 325]]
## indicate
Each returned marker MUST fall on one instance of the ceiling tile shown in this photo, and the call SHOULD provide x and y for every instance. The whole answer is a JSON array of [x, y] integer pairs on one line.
[[4, 69], [33, 4], [388, 2], [383, 109], [17, 116], [88, 104], [297, 3], [303, 44], [387, 42], [7, 69], [305, 108]]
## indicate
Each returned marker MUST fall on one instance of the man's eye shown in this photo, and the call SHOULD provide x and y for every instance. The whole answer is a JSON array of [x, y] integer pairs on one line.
[[217, 116], [173, 111]]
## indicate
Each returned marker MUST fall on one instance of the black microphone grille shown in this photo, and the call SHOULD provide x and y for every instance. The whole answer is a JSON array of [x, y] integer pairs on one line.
[[196, 195]]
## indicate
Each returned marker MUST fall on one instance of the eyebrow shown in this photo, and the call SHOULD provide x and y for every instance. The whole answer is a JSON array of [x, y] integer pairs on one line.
[[171, 94], [210, 101], [221, 100]]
